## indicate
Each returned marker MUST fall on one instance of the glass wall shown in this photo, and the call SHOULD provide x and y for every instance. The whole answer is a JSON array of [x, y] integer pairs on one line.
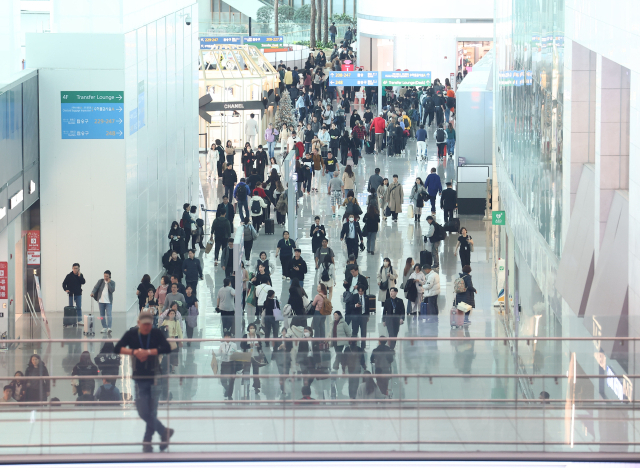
[[530, 61]]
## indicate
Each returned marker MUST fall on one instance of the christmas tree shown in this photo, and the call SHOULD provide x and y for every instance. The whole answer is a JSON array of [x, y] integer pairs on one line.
[[284, 113]]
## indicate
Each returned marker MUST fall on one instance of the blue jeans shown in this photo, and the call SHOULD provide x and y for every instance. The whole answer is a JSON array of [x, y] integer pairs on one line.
[[271, 147], [105, 309], [333, 38], [243, 204], [446, 114], [78, 300], [147, 396], [451, 144]]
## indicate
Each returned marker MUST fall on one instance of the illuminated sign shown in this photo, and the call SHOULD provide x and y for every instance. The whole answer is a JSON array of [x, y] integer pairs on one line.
[[209, 42], [353, 78], [406, 78], [92, 115]]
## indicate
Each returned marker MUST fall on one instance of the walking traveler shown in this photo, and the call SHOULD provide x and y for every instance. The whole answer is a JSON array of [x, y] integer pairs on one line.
[[102, 293], [72, 285]]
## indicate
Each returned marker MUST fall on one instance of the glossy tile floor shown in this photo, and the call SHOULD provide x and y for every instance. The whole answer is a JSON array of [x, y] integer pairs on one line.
[[400, 425]]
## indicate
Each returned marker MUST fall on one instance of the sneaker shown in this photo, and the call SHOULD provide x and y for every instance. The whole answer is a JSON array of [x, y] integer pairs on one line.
[[165, 438], [80, 324], [467, 321], [147, 447], [109, 330], [104, 330]]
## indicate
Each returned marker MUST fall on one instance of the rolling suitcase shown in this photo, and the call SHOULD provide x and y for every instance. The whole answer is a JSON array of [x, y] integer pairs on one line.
[[70, 318], [453, 225], [424, 309], [457, 318], [368, 147], [89, 328], [269, 226], [426, 258], [371, 303]]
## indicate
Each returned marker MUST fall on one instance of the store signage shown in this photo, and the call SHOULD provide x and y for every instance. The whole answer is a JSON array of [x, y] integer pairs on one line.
[[353, 78], [33, 248], [92, 115], [209, 42], [4, 280], [32, 187], [16, 199], [498, 218], [406, 78], [231, 106]]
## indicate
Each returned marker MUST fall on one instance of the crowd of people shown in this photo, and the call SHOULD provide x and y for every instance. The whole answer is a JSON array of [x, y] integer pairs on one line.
[[330, 139]]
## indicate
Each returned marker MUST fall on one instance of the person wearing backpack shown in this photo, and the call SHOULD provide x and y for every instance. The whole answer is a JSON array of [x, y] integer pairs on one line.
[[465, 292], [108, 391], [322, 308], [438, 236], [241, 194], [441, 140], [258, 205]]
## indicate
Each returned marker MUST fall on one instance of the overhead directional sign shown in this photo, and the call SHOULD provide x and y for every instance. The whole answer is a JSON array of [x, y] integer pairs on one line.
[[92, 115], [209, 42], [406, 78], [268, 43], [353, 78]]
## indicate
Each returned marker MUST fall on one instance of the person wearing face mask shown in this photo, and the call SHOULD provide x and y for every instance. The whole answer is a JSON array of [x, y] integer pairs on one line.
[[352, 234], [417, 196], [227, 366], [387, 277], [255, 348], [308, 355], [393, 315]]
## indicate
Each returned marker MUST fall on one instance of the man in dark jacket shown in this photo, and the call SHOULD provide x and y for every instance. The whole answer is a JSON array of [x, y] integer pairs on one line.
[[297, 266], [229, 179], [186, 223], [357, 313], [144, 344], [433, 185], [192, 270], [355, 362], [220, 232], [229, 209], [72, 285], [352, 283], [351, 232], [382, 357], [448, 202], [393, 315], [375, 181]]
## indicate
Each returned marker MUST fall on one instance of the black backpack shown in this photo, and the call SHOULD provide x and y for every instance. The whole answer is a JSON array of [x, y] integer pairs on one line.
[[241, 192], [438, 233], [256, 208], [325, 275], [440, 135]]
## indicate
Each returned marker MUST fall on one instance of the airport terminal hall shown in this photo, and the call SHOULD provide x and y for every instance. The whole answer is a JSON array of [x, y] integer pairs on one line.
[[319, 233]]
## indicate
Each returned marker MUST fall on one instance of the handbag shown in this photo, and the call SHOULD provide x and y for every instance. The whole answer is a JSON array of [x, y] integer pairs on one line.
[[384, 285], [261, 360], [387, 212], [464, 307], [410, 211], [287, 311]]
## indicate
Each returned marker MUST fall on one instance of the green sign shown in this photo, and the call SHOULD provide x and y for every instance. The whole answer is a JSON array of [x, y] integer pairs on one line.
[[498, 218], [102, 97], [406, 78]]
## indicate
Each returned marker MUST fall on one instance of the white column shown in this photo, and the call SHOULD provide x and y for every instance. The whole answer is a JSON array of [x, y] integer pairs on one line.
[[9, 39]]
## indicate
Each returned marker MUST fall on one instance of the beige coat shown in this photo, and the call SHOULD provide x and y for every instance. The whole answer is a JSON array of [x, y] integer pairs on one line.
[[394, 197], [383, 275]]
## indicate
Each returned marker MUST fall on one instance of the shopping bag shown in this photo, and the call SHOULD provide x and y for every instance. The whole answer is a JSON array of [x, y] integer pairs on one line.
[[410, 211]]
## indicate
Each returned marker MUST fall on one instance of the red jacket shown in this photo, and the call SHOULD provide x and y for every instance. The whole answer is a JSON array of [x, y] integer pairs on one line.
[[260, 192], [358, 132], [379, 124]]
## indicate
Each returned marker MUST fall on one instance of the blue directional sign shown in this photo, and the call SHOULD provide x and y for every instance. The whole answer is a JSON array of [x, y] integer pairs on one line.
[[92, 115], [264, 42], [406, 78], [209, 42], [353, 78]]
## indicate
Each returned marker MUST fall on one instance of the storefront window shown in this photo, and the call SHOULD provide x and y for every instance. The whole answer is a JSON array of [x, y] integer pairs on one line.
[[530, 61]]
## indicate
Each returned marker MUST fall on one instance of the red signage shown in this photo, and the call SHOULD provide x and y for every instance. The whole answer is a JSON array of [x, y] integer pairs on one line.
[[348, 65], [4, 280], [33, 247]]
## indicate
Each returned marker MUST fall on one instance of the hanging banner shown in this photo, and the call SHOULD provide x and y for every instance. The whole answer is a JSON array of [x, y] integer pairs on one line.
[[4, 303], [33, 248]]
